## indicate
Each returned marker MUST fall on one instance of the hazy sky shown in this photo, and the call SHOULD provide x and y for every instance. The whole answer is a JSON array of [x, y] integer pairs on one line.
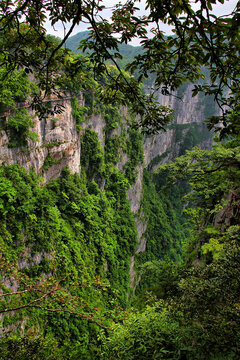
[[218, 9]]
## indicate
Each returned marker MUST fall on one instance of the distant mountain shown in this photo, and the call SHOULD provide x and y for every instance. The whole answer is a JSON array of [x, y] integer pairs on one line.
[[72, 42], [127, 51]]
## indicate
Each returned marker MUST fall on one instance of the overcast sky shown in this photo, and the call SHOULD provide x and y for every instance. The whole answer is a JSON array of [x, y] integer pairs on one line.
[[218, 9]]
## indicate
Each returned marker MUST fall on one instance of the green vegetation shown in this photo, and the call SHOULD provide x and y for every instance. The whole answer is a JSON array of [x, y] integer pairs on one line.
[[70, 228], [16, 90], [66, 247], [163, 209], [17, 128], [92, 158], [49, 161], [135, 154], [193, 309], [76, 231], [78, 113], [166, 234]]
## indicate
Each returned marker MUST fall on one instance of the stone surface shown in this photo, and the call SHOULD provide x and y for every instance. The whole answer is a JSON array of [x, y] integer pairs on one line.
[[97, 123], [57, 138]]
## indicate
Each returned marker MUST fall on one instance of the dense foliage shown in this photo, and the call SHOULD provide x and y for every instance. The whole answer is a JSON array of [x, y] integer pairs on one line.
[[198, 311], [72, 230], [66, 246]]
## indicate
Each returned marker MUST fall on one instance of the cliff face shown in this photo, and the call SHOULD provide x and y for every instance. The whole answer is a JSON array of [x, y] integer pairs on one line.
[[188, 128], [59, 145], [188, 111]]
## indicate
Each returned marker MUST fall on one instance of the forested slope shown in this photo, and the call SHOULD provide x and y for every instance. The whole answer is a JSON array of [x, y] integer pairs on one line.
[[98, 260], [69, 220]]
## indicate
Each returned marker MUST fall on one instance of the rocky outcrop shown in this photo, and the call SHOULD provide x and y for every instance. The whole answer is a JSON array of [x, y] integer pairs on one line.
[[58, 144], [158, 145], [97, 123], [186, 110]]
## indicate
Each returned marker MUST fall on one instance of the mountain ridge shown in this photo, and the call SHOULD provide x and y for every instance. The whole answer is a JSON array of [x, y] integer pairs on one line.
[[128, 51]]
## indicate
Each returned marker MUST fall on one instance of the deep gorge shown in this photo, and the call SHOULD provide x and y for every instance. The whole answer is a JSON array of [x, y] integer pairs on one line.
[[84, 195], [119, 184]]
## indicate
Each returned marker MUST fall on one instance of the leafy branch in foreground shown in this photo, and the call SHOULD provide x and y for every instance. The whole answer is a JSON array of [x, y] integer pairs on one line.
[[201, 40], [202, 43], [48, 293]]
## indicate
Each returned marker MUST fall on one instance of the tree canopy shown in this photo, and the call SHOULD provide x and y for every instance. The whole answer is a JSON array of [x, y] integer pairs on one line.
[[201, 39]]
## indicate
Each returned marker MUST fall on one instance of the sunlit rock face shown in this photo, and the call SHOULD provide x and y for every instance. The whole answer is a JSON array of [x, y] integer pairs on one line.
[[58, 145]]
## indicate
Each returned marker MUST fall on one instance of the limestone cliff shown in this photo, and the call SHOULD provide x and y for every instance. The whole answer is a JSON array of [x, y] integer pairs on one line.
[[59, 145], [188, 124], [59, 141], [187, 111], [188, 130]]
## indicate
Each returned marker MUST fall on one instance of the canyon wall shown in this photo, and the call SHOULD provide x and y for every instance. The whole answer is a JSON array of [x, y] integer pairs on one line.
[[58, 138], [59, 145]]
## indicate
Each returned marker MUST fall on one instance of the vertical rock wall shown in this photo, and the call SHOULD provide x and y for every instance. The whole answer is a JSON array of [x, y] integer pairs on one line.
[[164, 146], [58, 145]]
